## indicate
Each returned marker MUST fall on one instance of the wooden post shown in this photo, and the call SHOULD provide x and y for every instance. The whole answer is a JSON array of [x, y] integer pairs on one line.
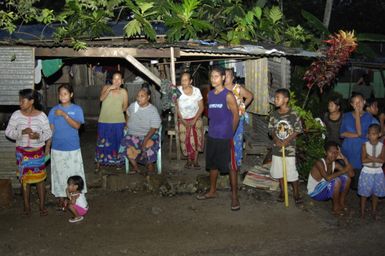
[[173, 80], [382, 76]]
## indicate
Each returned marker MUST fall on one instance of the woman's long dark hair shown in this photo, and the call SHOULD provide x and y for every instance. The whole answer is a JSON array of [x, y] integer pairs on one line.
[[31, 94]]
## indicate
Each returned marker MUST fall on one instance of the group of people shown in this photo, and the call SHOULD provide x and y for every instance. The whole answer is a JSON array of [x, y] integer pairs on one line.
[[124, 131], [354, 152], [132, 132], [39, 138], [354, 155]]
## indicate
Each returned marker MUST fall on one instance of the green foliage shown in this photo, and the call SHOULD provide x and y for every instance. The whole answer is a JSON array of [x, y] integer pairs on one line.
[[296, 36], [309, 145], [309, 150], [183, 20], [143, 12], [82, 19], [224, 20], [47, 16], [7, 21], [315, 23], [310, 123]]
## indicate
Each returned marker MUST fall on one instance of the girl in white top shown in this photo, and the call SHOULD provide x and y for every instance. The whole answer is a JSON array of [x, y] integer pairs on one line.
[[77, 203], [371, 182], [189, 110]]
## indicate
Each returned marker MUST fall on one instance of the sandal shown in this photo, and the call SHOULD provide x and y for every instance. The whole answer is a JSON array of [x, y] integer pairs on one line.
[[76, 219], [236, 207], [196, 166], [205, 197], [298, 200], [44, 212], [188, 165], [280, 199], [133, 172]]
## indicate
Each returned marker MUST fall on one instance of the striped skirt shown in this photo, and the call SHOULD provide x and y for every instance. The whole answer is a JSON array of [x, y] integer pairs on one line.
[[31, 165], [191, 139]]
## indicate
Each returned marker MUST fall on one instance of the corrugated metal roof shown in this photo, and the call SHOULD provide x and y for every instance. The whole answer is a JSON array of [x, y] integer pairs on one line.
[[17, 65], [191, 46]]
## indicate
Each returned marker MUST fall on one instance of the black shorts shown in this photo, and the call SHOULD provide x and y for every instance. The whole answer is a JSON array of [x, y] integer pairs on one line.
[[220, 155]]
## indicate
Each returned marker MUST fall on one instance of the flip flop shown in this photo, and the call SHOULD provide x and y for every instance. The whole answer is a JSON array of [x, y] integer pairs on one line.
[[76, 219], [44, 212], [204, 197], [196, 166], [235, 208], [280, 199], [298, 200], [133, 172], [188, 165]]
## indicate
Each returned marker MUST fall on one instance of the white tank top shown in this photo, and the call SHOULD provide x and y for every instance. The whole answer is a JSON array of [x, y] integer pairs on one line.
[[312, 183], [375, 151]]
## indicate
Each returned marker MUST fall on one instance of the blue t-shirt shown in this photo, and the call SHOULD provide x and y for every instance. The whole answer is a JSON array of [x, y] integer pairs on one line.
[[65, 137], [351, 147]]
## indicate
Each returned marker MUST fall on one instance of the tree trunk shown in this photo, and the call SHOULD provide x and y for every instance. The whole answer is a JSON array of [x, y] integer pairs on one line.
[[327, 13]]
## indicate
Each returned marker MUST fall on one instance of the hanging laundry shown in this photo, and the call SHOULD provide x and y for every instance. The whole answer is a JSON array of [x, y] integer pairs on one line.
[[50, 67], [38, 71]]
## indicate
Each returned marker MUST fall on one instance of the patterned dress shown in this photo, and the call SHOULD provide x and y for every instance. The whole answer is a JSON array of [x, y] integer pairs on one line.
[[30, 157], [238, 136], [192, 137]]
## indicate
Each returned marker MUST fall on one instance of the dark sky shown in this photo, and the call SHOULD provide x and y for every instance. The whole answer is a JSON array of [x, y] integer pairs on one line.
[[364, 16]]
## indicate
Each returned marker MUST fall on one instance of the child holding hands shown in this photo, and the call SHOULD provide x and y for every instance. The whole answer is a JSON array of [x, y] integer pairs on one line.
[[372, 179]]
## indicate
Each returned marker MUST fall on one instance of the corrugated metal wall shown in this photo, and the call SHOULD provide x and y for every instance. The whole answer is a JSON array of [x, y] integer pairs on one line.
[[279, 77], [17, 71], [8, 160]]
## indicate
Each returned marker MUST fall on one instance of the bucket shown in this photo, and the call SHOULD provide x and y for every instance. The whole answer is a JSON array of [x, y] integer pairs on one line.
[[5, 193]]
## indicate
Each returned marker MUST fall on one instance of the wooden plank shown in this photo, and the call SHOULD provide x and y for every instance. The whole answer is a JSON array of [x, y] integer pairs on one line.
[[209, 54], [173, 80], [143, 69], [107, 52]]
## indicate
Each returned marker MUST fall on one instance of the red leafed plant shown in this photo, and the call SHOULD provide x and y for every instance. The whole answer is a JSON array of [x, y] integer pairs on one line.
[[323, 71]]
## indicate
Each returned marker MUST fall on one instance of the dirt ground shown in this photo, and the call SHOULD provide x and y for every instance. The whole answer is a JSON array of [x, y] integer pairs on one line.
[[137, 222]]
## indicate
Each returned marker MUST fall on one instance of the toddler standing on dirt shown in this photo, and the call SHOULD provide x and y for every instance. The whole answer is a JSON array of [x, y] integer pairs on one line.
[[284, 126], [372, 180], [77, 203]]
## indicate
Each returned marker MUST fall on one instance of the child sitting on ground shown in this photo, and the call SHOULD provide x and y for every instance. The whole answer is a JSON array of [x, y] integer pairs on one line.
[[372, 180], [328, 179], [77, 202]]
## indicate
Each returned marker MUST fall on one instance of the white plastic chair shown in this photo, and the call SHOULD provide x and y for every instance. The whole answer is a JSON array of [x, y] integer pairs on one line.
[[158, 155]]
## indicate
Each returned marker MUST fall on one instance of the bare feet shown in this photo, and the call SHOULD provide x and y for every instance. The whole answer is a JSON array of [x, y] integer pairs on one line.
[[188, 165], [27, 212], [338, 213], [375, 216]]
